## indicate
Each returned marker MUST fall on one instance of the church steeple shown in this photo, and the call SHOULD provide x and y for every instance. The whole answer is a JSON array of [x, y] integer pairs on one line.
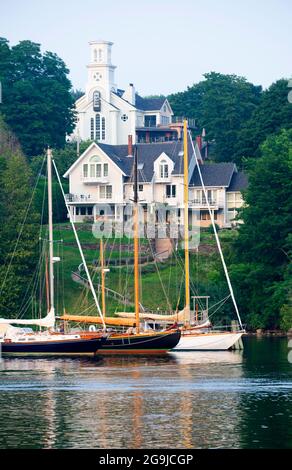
[[100, 70]]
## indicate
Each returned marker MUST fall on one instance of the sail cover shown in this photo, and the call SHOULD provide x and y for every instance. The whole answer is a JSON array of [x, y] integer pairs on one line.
[[46, 322]]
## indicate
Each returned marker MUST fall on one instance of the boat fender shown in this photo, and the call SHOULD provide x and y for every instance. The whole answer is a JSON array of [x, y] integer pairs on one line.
[[92, 328]]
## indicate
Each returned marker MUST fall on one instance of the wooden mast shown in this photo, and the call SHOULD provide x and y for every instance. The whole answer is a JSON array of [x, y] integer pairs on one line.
[[102, 278], [136, 242], [50, 219], [186, 225]]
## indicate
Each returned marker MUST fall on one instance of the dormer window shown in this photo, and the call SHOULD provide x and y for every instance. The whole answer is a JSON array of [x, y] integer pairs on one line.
[[95, 169], [163, 169]]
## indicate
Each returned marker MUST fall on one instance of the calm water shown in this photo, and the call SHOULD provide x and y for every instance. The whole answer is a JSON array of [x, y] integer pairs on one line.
[[185, 400]]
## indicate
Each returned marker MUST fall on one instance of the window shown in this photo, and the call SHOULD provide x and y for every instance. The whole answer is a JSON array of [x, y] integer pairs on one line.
[[163, 169], [97, 127], [164, 120], [98, 170], [92, 170], [170, 190], [150, 121], [92, 129], [105, 169], [85, 170], [206, 216], [140, 187], [105, 192], [103, 128], [96, 100]]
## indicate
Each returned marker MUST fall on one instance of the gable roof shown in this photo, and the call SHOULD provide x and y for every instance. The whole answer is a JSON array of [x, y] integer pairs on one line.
[[92, 145], [215, 174], [149, 104], [238, 182], [147, 154]]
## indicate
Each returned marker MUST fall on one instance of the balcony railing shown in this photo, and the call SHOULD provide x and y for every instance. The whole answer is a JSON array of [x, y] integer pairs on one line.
[[203, 203], [94, 179], [180, 119], [79, 198]]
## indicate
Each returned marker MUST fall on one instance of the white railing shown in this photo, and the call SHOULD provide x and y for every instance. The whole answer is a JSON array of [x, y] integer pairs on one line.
[[79, 198], [94, 179], [201, 203]]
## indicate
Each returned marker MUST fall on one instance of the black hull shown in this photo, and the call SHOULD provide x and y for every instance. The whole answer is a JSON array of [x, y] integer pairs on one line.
[[158, 343], [71, 347]]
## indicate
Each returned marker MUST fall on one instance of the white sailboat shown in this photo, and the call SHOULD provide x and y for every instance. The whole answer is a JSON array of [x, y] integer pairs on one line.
[[198, 337]]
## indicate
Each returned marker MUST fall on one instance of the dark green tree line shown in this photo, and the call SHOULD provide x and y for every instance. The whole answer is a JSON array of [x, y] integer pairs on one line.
[[36, 99]]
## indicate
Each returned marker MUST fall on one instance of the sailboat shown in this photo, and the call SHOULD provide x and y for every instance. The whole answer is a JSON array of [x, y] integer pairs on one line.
[[195, 335], [24, 341], [135, 340]]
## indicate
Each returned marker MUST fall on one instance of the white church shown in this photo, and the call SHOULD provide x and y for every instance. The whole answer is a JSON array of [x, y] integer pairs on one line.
[[107, 114]]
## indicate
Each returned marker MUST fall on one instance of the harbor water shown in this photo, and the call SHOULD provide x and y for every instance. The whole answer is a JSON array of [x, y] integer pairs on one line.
[[240, 399]]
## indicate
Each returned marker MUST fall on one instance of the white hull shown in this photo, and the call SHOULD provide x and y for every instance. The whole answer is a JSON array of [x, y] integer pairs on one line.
[[207, 341]]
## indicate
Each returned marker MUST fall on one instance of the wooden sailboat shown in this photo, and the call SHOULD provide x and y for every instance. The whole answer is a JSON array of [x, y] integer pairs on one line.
[[19, 341], [196, 336], [135, 340]]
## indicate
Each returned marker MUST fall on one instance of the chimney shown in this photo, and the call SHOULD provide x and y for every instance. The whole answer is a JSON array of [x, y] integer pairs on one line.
[[130, 146], [130, 94], [199, 141]]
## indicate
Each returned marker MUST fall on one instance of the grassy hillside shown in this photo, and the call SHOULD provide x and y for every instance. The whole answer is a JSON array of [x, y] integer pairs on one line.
[[162, 284]]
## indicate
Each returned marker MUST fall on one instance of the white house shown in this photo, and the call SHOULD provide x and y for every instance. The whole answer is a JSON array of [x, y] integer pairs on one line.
[[101, 184], [107, 114]]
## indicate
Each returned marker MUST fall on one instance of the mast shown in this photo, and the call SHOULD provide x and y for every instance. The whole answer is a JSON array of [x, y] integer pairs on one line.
[[50, 220], [186, 226], [80, 250], [217, 239], [102, 277], [136, 242]]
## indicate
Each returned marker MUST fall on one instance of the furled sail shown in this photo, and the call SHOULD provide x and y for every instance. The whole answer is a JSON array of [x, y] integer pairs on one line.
[[179, 317], [97, 320], [174, 317], [46, 322]]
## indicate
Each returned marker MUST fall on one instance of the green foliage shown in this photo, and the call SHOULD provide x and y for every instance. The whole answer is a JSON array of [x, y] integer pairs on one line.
[[37, 103], [220, 104], [273, 113], [19, 227], [263, 248]]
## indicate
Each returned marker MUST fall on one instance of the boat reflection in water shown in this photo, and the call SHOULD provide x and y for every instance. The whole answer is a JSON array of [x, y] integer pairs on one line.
[[170, 401]]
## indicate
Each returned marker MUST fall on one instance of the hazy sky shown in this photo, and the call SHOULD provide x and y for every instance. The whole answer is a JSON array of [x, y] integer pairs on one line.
[[162, 46]]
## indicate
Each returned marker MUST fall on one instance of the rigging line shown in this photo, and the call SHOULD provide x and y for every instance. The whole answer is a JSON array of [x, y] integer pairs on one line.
[[21, 229], [217, 238], [159, 276], [222, 303], [192, 285], [80, 249], [32, 282], [222, 300]]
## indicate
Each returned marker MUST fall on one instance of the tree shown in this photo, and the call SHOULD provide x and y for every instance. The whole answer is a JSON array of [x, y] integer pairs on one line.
[[264, 245], [273, 114], [37, 103], [19, 225], [220, 104]]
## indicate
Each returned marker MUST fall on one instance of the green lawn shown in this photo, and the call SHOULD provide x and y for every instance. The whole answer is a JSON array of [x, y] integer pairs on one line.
[[156, 285]]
